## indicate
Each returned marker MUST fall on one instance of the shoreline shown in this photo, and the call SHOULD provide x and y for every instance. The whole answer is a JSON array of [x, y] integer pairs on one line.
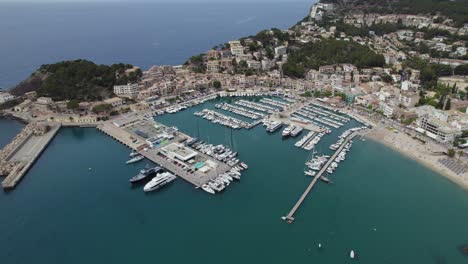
[[387, 138]]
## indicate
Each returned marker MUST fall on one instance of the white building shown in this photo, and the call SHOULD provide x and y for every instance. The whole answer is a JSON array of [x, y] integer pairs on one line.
[[267, 64], [236, 48], [408, 99], [128, 90], [114, 102], [44, 100], [255, 65], [437, 129], [5, 97], [386, 109], [280, 50], [212, 66]]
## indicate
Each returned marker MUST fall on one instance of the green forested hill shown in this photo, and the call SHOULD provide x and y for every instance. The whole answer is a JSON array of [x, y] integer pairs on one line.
[[78, 79], [325, 52]]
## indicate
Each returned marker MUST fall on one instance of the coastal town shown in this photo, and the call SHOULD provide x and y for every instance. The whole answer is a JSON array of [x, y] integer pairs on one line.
[[341, 128], [403, 77]]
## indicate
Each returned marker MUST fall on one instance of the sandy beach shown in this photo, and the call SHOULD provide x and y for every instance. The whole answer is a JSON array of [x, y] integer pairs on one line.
[[414, 149]]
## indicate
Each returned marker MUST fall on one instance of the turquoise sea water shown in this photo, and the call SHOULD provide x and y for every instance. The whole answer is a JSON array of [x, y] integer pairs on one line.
[[387, 208]]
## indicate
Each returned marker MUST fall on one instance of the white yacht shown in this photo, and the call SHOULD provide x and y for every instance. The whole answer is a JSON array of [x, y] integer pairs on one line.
[[352, 254], [160, 180], [227, 176], [216, 185], [207, 188], [135, 159], [222, 179], [287, 131]]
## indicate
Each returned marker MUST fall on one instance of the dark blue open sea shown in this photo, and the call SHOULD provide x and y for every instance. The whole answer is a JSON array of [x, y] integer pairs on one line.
[[143, 34]]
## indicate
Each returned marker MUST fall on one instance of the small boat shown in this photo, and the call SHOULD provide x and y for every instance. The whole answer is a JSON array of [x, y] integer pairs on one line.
[[325, 179], [207, 188], [134, 153], [243, 165], [235, 176], [226, 175], [221, 178], [135, 159], [352, 254]]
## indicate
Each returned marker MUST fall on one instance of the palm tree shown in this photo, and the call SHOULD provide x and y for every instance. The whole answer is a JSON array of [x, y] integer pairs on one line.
[[460, 154]]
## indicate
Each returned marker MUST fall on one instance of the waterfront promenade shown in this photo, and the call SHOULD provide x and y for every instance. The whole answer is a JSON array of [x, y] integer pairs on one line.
[[290, 216]]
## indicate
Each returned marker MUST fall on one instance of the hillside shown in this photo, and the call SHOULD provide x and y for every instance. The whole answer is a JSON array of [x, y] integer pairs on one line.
[[326, 52], [80, 80], [454, 9]]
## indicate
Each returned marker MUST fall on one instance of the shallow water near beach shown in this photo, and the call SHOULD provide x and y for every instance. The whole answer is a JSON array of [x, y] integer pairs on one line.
[[76, 206]]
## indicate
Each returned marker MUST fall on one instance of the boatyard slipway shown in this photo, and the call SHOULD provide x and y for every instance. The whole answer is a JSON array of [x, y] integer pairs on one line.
[[79, 195]]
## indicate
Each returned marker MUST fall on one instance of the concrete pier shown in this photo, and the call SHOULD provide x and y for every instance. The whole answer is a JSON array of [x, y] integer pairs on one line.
[[290, 216], [124, 136], [24, 150]]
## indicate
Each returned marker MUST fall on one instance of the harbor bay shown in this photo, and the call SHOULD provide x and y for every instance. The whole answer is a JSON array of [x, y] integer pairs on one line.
[[379, 200]]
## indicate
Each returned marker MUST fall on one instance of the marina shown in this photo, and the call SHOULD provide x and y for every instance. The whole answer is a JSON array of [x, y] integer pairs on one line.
[[218, 118], [240, 111], [290, 216], [257, 106], [274, 103], [49, 185]]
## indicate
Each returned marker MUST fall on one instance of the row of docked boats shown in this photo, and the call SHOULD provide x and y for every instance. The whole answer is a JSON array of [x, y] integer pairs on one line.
[[341, 157], [223, 180], [305, 116], [220, 152], [218, 118], [328, 114], [182, 106], [304, 140], [243, 94], [240, 111], [312, 143], [309, 141], [316, 164], [256, 106], [344, 135], [274, 103]]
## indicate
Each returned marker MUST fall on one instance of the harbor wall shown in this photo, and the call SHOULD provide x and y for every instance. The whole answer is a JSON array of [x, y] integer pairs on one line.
[[22, 168]]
